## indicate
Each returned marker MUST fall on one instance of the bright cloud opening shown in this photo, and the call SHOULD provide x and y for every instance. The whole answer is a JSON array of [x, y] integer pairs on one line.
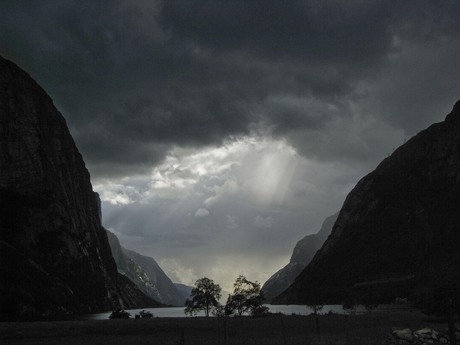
[[201, 212], [223, 200]]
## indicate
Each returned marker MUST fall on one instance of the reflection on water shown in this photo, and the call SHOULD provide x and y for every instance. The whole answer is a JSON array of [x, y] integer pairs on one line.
[[179, 311]]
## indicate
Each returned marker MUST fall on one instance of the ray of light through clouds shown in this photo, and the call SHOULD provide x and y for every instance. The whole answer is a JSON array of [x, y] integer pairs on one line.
[[222, 201], [219, 133]]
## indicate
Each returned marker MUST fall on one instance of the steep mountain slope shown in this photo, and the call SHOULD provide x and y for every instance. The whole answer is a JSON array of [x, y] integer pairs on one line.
[[398, 232], [184, 290], [303, 253], [145, 273], [55, 256]]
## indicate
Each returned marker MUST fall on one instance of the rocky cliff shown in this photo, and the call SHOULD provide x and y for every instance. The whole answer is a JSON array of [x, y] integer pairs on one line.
[[55, 255], [398, 232], [303, 253], [145, 273]]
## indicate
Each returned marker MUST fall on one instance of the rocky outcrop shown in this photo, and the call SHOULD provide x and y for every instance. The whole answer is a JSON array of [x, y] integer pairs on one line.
[[55, 256], [425, 336], [145, 273], [303, 253], [398, 232]]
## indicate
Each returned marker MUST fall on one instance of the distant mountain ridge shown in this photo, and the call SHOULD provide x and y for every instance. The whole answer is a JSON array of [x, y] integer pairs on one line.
[[301, 256], [145, 273], [398, 232], [184, 290], [54, 253]]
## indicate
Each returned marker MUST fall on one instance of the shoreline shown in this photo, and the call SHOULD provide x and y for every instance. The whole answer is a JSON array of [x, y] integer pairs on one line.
[[373, 328]]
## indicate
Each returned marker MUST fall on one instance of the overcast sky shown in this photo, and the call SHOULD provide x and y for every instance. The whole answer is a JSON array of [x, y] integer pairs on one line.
[[219, 133]]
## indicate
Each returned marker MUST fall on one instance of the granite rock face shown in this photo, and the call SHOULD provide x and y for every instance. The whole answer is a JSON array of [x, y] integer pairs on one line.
[[303, 253], [145, 272], [55, 255], [398, 232]]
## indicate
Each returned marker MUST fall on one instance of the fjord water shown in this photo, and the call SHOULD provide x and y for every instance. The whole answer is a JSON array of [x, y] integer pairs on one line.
[[179, 311]]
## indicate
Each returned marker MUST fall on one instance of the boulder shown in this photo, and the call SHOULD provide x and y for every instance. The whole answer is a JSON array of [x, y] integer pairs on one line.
[[404, 334]]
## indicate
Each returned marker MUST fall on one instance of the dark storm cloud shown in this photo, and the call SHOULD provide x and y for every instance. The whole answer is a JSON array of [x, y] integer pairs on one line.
[[320, 31], [219, 133], [135, 78]]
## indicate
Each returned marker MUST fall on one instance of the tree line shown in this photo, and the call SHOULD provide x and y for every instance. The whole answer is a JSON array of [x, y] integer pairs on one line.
[[246, 299]]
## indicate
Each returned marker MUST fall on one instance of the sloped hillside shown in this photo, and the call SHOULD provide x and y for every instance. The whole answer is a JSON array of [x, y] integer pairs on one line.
[[398, 232], [303, 253], [145, 273], [55, 257]]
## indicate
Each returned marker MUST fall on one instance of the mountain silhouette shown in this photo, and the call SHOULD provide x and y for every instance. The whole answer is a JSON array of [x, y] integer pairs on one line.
[[302, 254], [398, 232], [55, 256]]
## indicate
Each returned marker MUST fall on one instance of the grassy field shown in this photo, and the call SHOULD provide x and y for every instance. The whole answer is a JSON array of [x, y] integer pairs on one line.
[[285, 330]]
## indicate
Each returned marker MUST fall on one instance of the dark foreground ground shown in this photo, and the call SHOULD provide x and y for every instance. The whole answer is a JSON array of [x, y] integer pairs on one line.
[[285, 330]]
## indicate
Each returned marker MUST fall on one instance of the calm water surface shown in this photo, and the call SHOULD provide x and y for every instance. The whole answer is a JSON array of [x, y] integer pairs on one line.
[[179, 311]]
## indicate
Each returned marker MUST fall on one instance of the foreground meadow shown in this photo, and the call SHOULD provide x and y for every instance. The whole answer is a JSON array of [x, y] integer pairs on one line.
[[285, 330]]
